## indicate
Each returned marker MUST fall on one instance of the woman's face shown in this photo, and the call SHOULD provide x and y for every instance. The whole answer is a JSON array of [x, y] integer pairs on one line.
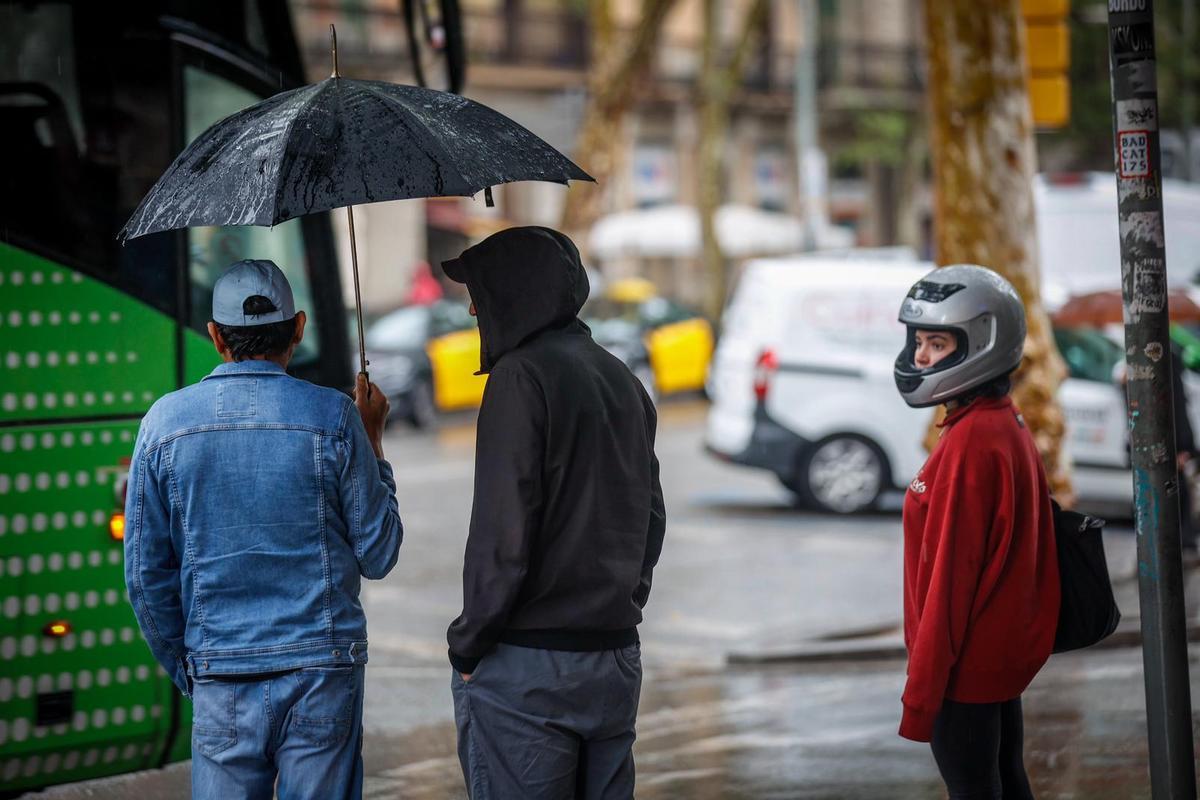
[[932, 347]]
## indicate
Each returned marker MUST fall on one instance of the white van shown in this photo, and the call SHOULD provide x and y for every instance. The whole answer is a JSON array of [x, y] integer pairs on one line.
[[1079, 240], [802, 383]]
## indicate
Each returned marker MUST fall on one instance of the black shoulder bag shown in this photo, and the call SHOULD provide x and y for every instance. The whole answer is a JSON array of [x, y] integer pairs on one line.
[[1089, 611]]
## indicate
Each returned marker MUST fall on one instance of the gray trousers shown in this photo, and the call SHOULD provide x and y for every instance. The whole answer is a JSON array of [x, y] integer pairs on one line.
[[549, 724]]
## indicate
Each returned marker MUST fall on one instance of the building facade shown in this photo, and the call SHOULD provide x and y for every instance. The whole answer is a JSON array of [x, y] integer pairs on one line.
[[529, 59]]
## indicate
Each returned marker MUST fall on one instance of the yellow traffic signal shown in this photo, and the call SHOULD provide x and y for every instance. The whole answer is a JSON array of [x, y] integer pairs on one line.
[[1048, 51]]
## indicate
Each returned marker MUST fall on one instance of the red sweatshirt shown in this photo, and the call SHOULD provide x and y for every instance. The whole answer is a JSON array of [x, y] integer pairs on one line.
[[981, 587]]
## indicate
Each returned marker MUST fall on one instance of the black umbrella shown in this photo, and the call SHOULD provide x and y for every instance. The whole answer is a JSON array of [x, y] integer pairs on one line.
[[339, 143]]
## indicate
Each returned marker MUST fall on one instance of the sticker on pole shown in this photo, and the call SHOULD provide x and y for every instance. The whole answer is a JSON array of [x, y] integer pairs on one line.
[[1137, 115], [1134, 147]]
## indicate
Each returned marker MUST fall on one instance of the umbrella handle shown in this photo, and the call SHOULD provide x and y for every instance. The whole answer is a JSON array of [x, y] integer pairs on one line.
[[362, 347]]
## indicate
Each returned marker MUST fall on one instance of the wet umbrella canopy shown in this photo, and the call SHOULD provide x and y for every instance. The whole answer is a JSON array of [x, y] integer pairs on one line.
[[338, 143]]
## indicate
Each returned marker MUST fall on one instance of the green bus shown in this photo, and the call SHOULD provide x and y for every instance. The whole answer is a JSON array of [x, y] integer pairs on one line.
[[96, 99]]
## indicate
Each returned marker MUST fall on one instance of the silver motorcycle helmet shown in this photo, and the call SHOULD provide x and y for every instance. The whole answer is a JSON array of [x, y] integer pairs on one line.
[[983, 312]]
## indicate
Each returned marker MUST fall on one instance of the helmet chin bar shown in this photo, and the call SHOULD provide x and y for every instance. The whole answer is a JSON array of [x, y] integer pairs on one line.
[[909, 382]]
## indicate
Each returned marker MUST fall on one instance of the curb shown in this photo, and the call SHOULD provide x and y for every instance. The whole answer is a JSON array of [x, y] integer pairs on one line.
[[891, 647]]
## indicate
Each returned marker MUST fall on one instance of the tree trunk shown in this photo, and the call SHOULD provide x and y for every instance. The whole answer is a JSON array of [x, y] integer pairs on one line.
[[618, 63], [716, 86], [713, 114], [983, 166]]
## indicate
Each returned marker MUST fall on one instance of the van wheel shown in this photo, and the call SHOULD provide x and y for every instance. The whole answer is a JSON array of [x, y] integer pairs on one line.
[[842, 474]]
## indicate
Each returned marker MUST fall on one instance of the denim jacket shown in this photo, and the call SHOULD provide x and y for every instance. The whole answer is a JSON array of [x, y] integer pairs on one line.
[[254, 505]]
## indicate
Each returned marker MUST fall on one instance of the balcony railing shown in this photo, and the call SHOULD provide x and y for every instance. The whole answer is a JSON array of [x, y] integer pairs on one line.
[[513, 37], [869, 66], [559, 39], [526, 37]]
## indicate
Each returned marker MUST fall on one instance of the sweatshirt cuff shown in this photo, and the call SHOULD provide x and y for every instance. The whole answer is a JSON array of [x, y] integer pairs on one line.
[[464, 664], [916, 724]]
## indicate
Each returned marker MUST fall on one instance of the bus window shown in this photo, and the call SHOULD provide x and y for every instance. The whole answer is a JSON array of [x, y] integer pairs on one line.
[[208, 98], [41, 128], [71, 113]]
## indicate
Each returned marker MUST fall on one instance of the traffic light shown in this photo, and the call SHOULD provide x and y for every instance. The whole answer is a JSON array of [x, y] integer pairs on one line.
[[1048, 51]]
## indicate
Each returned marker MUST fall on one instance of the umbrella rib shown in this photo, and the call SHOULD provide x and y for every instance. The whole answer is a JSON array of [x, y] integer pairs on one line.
[[287, 136], [183, 160], [449, 161], [255, 113]]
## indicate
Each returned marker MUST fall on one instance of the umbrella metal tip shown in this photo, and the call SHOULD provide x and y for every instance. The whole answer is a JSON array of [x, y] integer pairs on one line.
[[333, 50]]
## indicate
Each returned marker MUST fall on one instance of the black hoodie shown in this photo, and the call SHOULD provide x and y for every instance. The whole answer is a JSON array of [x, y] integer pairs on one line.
[[568, 517]]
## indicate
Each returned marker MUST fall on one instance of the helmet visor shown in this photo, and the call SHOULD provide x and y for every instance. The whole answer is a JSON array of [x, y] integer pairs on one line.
[[907, 371]]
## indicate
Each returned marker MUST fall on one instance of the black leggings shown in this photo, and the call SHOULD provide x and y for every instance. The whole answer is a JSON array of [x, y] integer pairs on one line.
[[978, 750]]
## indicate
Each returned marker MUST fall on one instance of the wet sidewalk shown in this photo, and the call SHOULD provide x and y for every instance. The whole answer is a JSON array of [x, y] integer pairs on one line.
[[808, 732]]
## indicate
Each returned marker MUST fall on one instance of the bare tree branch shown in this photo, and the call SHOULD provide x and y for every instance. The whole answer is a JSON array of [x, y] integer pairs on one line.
[[716, 88], [615, 75]]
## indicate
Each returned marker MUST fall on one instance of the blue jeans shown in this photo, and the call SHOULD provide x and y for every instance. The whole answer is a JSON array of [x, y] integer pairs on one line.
[[302, 727], [548, 724]]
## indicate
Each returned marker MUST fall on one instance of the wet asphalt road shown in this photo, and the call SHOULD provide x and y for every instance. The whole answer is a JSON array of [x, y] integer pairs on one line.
[[741, 569]]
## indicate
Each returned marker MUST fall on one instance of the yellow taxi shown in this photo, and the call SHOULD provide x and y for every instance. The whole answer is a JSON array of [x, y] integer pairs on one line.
[[424, 358], [677, 340], [454, 357]]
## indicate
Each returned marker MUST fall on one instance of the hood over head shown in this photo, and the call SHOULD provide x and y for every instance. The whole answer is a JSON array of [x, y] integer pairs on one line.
[[523, 281]]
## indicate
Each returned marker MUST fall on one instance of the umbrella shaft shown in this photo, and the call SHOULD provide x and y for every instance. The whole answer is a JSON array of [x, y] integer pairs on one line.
[[362, 348]]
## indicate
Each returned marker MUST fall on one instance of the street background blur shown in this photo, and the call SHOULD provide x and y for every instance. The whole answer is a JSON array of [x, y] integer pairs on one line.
[[531, 59], [772, 177]]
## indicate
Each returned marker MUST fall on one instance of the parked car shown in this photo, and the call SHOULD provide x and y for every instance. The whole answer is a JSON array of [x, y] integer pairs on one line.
[[425, 358], [677, 341], [802, 382], [1092, 402], [623, 338]]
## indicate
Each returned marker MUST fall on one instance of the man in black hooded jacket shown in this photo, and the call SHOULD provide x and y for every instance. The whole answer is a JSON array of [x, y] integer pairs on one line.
[[566, 528]]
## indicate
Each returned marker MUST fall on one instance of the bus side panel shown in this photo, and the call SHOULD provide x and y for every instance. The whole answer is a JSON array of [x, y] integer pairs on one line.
[[75, 347], [199, 356], [87, 700], [90, 702], [181, 747]]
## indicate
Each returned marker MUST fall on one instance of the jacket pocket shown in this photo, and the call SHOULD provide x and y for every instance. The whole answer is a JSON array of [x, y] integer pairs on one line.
[[214, 715], [325, 710]]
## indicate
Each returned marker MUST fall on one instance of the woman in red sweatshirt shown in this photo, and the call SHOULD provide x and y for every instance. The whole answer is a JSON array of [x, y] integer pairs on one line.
[[981, 589]]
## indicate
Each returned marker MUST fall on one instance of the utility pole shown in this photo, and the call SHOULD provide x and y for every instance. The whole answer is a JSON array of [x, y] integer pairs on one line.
[[810, 161], [1151, 414], [1186, 101]]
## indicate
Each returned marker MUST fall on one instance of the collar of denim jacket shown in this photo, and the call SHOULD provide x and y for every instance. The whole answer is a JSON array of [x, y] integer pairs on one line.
[[247, 367]]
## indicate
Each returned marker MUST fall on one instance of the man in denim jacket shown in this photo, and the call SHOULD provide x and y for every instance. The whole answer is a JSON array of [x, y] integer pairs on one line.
[[256, 503]]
